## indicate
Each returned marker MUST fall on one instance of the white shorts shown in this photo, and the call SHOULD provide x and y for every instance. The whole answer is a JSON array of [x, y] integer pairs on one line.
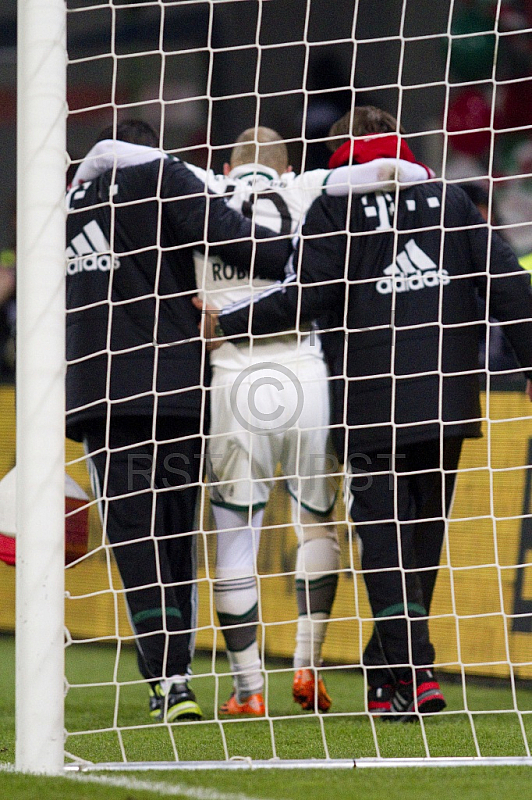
[[267, 415]]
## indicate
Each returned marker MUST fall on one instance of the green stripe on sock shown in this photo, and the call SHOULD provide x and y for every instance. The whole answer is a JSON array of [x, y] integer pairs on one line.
[[153, 613], [398, 608], [238, 619], [325, 580]]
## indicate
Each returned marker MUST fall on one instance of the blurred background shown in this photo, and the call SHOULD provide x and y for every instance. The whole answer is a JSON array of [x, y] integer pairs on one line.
[[203, 71]]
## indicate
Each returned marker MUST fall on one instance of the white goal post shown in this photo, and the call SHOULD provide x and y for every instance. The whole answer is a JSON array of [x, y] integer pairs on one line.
[[481, 610], [41, 137]]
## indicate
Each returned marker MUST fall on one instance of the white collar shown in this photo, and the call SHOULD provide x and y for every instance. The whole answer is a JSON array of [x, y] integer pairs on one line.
[[253, 171]]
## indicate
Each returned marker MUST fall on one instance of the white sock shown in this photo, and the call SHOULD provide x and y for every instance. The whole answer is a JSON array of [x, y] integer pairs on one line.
[[317, 566], [236, 595], [167, 683], [246, 669], [310, 636]]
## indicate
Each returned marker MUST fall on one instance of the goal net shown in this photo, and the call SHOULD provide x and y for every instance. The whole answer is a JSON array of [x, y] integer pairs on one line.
[[231, 524]]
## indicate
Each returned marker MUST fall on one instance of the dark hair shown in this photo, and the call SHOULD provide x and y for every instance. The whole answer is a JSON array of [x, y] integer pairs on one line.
[[134, 131], [476, 192], [363, 121]]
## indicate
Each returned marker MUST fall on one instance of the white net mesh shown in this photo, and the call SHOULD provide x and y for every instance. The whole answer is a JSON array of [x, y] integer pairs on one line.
[[200, 73]]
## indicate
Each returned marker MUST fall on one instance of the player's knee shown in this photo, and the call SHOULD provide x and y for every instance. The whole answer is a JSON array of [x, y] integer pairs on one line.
[[318, 548], [236, 573], [310, 526]]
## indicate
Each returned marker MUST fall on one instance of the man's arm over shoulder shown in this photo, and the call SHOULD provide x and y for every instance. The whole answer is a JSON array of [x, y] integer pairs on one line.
[[198, 217], [317, 284]]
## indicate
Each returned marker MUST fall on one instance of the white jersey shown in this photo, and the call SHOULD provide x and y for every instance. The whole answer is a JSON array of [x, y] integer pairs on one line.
[[279, 203]]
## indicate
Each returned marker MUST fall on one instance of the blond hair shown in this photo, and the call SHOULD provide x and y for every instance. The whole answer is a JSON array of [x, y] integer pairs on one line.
[[364, 121], [260, 146]]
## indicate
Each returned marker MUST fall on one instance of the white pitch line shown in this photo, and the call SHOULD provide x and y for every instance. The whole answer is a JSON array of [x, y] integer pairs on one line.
[[172, 790]]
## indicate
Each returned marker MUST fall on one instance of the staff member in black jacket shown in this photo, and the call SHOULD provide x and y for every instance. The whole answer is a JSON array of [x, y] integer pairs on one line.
[[402, 274], [134, 382]]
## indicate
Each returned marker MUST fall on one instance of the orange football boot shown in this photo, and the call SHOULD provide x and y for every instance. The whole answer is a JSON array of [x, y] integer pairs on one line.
[[254, 704], [304, 691]]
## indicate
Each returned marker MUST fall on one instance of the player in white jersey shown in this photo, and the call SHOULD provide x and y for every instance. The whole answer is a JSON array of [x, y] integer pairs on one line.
[[270, 407]]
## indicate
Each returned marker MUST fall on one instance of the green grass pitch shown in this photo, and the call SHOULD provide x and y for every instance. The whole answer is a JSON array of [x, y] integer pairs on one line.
[[94, 709]]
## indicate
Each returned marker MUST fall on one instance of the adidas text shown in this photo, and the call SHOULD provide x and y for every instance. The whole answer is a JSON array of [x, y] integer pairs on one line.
[[101, 261], [411, 271], [412, 283]]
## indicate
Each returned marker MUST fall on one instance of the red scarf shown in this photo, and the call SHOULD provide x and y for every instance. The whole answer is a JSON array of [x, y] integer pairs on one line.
[[371, 147]]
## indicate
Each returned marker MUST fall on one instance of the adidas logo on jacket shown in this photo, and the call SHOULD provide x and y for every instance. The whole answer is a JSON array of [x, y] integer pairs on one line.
[[413, 270]]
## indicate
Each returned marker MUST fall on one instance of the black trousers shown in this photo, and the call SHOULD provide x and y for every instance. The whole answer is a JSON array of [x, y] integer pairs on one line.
[[147, 499], [399, 506]]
